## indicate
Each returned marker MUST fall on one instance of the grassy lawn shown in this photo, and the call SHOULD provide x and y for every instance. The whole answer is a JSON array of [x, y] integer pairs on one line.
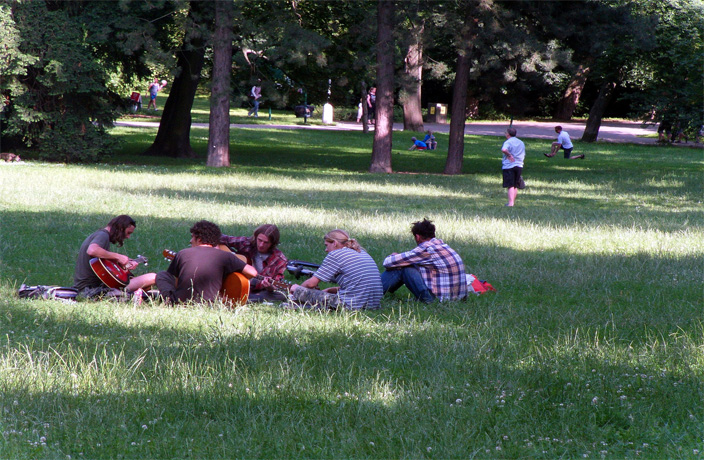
[[593, 346]]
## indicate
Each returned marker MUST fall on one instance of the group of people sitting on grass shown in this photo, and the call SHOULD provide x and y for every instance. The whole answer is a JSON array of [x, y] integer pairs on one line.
[[431, 271]]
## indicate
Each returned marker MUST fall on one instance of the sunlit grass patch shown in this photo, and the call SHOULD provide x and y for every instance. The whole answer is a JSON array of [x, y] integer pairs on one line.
[[592, 346]]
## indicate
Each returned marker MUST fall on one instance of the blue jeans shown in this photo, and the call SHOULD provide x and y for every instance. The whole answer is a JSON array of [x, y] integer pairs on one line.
[[394, 278]]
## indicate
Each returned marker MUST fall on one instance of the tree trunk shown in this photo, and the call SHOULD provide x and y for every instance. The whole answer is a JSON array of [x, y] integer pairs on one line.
[[174, 136], [568, 104], [413, 69], [381, 151], [606, 94], [455, 147], [219, 121]]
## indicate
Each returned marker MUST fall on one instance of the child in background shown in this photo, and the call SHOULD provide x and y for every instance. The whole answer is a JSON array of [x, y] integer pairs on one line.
[[430, 140]]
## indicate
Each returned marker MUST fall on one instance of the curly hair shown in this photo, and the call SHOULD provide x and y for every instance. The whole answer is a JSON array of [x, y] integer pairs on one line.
[[207, 232], [271, 231], [344, 239], [424, 228], [118, 225]]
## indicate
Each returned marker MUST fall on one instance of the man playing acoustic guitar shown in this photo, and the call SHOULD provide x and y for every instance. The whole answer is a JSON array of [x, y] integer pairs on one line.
[[197, 273], [261, 251], [97, 245]]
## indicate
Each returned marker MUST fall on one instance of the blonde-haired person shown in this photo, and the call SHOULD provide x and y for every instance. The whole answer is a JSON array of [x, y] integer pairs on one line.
[[351, 268]]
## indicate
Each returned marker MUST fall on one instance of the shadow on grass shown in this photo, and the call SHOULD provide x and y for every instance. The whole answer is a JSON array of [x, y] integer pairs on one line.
[[298, 386]]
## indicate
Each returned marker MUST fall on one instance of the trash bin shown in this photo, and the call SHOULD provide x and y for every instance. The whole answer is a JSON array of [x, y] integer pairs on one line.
[[136, 99], [437, 113]]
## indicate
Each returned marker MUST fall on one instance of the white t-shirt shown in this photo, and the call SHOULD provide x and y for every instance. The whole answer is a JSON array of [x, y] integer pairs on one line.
[[564, 140], [515, 147]]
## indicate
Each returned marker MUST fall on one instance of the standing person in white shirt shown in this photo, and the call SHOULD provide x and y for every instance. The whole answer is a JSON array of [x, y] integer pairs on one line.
[[255, 94], [563, 142], [514, 151]]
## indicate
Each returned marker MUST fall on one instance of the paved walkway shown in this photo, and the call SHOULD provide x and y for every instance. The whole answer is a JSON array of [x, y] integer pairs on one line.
[[610, 131]]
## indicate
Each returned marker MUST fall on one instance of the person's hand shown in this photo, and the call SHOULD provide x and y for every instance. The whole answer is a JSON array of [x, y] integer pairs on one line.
[[265, 283], [126, 262], [294, 287]]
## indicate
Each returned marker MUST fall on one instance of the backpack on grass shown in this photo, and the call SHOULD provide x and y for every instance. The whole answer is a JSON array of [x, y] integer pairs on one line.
[[476, 286], [41, 291]]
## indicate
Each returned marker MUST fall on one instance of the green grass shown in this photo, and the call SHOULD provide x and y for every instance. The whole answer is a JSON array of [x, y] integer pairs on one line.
[[593, 346]]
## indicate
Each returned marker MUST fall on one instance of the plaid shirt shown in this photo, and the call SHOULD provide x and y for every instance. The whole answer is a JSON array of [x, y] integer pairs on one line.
[[441, 267], [273, 267]]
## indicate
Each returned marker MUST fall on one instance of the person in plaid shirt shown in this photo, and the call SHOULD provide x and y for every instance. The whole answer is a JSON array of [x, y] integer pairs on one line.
[[432, 270], [261, 252]]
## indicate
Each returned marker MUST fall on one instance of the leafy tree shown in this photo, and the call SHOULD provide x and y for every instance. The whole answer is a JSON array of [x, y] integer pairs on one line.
[[72, 64], [666, 81], [59, 102], [173, 137]]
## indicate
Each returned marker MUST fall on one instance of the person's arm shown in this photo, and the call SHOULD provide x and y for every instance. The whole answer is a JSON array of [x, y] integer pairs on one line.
[[507, 153], [310, 283], [404, 259], [249, 271], [94, 250], [274, 268]]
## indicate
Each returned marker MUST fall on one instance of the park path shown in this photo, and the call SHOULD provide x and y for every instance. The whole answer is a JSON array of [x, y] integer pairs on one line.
[[610, 131]]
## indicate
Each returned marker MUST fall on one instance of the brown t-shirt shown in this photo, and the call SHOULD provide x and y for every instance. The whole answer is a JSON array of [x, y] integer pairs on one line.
[[200, 271]]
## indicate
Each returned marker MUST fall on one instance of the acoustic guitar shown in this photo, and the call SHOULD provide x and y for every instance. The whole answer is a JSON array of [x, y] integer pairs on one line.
[[235, 286], [111, 273], [278, 285]]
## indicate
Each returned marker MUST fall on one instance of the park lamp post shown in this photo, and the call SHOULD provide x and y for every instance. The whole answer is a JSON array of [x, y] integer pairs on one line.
[[327, 108]]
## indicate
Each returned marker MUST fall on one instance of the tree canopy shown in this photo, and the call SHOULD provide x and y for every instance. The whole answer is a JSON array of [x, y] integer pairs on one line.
[[67, 66]]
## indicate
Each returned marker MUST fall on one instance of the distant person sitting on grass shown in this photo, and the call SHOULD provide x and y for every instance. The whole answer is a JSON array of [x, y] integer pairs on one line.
[[430, 141], [563, 142], [418, 145]]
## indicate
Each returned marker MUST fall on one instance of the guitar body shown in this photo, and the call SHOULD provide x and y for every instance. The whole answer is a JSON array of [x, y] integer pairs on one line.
[[235, 288], [110, 273]]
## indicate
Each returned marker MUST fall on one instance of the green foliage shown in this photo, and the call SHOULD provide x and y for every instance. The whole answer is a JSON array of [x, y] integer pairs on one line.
[[668, 78], [59, 103]]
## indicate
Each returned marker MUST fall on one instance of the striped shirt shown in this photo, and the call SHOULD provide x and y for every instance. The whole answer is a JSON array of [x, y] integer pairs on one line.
[[441, 267], [357, 275]]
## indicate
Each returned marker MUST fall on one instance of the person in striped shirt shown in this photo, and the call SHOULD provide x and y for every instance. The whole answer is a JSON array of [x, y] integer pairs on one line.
[[351, 268], [431, 271]]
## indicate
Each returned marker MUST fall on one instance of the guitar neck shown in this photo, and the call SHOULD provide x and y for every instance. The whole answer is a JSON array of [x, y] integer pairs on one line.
[[277, 284]]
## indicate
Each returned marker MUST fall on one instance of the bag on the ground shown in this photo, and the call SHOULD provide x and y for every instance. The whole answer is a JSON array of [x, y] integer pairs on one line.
[[476, 286], [42, 291], [521, 183]]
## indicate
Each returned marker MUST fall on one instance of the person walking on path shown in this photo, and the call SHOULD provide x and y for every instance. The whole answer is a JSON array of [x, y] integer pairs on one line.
[[255, 94], [563, 142], [514, 152], [154, 89]]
